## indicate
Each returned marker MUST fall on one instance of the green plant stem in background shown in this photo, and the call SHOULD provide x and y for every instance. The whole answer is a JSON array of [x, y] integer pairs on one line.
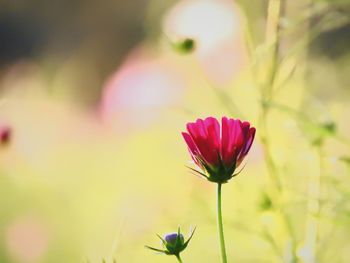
[[312, 225], [220, 226], [178, 258], [272, 42]]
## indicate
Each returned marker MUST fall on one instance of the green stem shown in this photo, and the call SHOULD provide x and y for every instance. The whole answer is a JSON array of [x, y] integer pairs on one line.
[[220, 226], [178, 258]]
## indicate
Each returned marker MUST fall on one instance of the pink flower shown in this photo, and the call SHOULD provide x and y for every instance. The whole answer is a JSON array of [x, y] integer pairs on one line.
[[218, 151], [5, 134]]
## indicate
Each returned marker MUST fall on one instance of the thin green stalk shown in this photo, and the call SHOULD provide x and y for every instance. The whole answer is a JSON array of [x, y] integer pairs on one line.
[[178, 258], [220, 226], [272, 40], [312, 226]]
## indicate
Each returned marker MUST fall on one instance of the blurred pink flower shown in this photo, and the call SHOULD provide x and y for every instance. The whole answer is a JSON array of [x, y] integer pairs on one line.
[[218, 154], [26, 240], [5, 134], [138, 91]]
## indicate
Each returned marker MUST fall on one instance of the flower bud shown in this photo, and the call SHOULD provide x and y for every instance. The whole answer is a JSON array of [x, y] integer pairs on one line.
[[184, 46], [174, 243]]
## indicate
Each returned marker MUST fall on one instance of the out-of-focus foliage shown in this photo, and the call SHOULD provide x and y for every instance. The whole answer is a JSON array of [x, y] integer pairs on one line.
[[96, 97]]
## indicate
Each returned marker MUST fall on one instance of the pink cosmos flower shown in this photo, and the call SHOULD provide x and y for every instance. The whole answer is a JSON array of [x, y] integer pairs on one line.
[[216, 150]]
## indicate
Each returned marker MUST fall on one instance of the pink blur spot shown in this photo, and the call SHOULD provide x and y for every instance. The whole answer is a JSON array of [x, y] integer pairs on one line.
[[26, 240], [139, 90], [5, 134]]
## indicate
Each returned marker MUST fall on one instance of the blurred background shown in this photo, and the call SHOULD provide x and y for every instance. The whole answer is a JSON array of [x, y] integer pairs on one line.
[[95, 94]]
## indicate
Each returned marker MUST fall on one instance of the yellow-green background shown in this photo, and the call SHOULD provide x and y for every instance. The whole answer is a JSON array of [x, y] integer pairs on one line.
[[75, 188]]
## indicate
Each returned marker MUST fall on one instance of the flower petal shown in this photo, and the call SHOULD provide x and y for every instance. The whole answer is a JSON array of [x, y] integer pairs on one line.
[[190, 143], [249, 140], [203, 141], [245, 128], [225, 139], [232, 140], [248, 143], [213, 130], [195, 154]]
